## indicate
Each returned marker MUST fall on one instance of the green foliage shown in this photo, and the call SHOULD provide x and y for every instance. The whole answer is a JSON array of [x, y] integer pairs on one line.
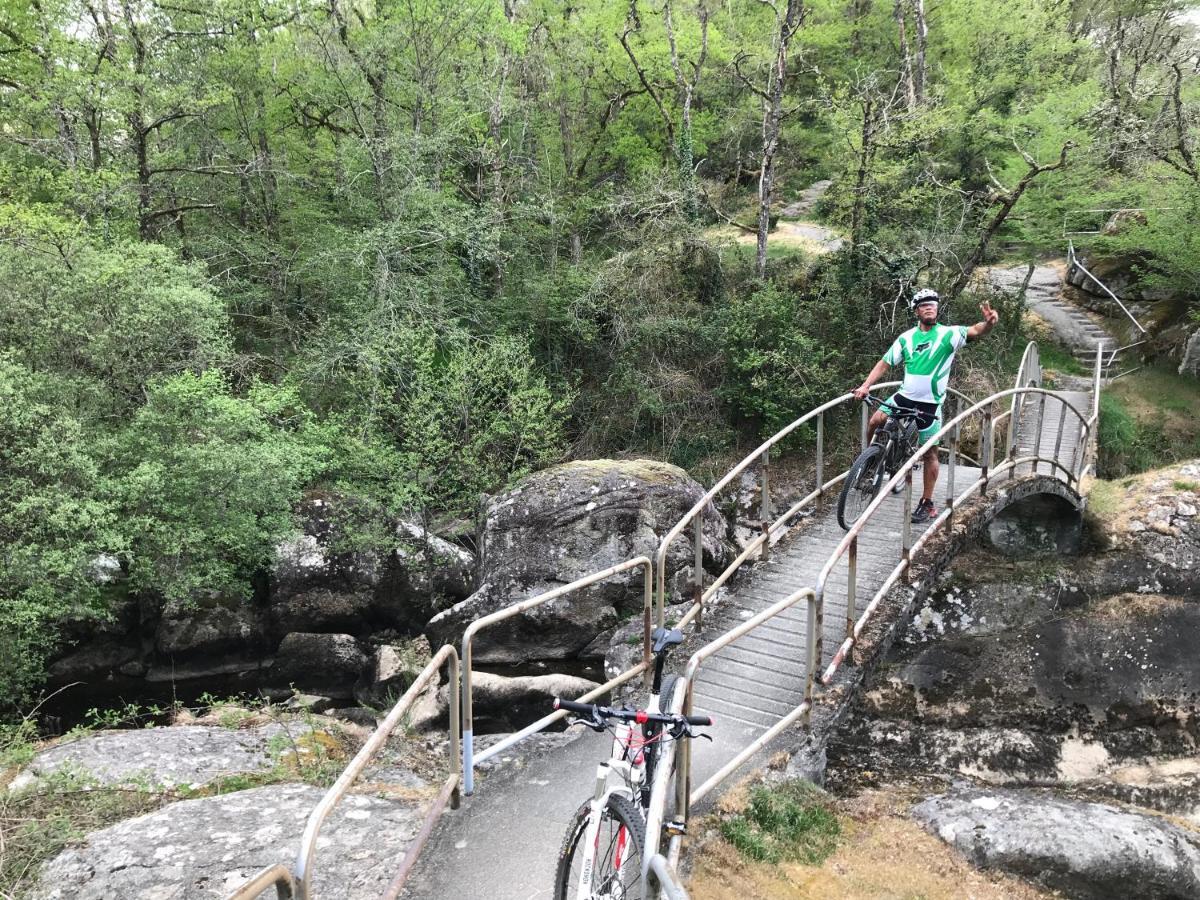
[[789, 821], [207, 481], [106, 319], [779, 367], [474, 415], [55, 517], [252, 249], [1126, 446]]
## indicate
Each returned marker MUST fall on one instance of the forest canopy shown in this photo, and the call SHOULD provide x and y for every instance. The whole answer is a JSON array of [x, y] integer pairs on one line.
[[408, 250]]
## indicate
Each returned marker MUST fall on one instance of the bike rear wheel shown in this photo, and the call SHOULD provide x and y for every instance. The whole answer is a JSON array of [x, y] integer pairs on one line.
[[617, 867], [862, 483]]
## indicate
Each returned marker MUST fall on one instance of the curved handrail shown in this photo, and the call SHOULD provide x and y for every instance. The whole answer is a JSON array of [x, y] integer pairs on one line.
[[305, 861], [277, 876], [468, 639], [905, 473], [763, 540], [1073, 257], [299, 884]]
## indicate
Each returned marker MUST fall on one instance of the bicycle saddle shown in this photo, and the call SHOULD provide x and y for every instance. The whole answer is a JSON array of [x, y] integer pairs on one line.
[[664, 638]]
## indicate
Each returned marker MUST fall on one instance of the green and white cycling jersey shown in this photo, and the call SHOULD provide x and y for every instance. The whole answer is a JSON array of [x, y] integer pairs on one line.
[[927, 357]]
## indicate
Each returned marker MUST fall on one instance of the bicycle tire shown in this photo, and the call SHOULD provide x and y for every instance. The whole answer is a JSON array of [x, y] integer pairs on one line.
[[619, 815], [856, 494]]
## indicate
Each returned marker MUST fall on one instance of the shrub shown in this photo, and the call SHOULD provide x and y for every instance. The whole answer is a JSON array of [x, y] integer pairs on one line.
[[790, 821]]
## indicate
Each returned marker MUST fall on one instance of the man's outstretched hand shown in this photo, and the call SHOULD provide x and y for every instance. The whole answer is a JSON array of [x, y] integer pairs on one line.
[[989, 315]]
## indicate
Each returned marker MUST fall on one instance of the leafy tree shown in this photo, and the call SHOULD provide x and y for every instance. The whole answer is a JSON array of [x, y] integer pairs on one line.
[[55, 519], [206, 482]]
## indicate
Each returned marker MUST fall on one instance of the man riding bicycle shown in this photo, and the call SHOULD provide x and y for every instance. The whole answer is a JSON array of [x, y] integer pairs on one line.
[[927, 352]]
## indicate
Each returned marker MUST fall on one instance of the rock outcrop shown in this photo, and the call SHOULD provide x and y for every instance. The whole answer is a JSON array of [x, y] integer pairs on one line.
[[207, 848], [187, 755], [1089, 851], [561, 524], [328, 664]]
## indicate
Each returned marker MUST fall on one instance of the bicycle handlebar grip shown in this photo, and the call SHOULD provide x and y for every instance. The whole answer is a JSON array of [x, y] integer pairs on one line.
[[571, 706], [699, 720]]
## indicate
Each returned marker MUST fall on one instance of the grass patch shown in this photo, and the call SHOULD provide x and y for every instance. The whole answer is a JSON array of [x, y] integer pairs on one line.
[[791, 821], [1060, 360], [1193, 486], [1128, 444], [1148, 420]]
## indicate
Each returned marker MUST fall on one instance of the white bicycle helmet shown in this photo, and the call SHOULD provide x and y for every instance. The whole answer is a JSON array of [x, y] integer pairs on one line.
[[924, 295]]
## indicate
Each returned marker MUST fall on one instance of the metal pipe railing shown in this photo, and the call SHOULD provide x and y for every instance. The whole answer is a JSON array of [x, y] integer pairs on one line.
[[681, 702], [1073, 259], [762, 542], [905, 472], [664, 878], [306, 860], [468, 739], [277, 876]]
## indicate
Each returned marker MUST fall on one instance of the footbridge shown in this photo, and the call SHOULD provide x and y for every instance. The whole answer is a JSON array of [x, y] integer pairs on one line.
[[788, 641]]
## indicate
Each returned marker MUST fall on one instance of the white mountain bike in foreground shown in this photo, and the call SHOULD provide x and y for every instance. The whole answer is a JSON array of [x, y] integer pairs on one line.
[[601, 856]]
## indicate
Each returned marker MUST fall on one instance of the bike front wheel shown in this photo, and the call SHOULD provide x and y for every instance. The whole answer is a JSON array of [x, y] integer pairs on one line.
[[862, 483], [617, 864]]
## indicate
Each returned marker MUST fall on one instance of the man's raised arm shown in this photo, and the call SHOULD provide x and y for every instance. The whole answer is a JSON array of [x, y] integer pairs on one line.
[[990, 318]]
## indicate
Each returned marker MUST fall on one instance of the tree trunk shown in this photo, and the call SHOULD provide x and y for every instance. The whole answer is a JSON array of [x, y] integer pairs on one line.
[[906, 71], [867, 139], [1007, 201], [922, 27], [772, 121]]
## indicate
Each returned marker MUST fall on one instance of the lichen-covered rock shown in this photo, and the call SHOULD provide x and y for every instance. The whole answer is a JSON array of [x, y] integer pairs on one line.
[[422, 576], [1089, 851], [315, 584], [392, 668], [207, 848], [208, 625], [328, 664], [191, 755], [1152, 534], [561, 524]]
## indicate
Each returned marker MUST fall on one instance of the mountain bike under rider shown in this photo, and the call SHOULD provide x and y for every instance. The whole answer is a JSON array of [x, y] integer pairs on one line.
[[927, 353]]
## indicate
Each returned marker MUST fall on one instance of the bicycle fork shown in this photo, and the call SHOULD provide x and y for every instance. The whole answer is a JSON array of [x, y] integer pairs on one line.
[[591, 836]]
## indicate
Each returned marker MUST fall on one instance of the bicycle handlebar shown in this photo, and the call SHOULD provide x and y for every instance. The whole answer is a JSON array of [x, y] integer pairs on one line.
[[599, 713]]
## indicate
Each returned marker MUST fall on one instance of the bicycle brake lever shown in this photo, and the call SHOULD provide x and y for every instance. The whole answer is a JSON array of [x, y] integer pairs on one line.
[[589, 723]]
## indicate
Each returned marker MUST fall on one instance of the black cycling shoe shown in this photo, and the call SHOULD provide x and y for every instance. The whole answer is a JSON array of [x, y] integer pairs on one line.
[[924, 512]]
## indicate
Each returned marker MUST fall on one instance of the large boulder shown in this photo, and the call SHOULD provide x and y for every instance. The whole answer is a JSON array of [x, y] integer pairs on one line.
[[207, 848], [316, 583], [1189, 363], [422, 576], [208, 625], [1089, 851], [390, 672], [326, 579], [327, 664], [561, 524]]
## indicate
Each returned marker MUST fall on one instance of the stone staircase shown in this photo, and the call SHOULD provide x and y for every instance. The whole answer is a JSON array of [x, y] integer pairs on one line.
[[1074, 327]]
